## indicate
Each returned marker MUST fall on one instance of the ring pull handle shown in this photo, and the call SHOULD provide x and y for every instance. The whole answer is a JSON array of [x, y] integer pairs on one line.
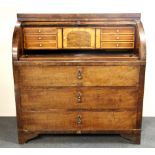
[[79, 97], [79, 121], [79, 75]]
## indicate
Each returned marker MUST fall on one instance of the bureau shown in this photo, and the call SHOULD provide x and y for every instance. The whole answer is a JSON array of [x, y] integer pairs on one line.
[[79, 73]]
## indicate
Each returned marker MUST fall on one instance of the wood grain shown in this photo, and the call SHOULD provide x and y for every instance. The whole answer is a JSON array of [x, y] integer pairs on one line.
[[68, 76]]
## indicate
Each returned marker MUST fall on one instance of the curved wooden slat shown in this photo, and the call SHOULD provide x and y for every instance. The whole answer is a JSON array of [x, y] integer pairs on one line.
[[141, 41], [16, 42]]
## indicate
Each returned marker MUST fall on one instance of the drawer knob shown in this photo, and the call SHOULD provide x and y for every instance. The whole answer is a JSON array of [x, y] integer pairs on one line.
[[39, 30], [117, 38], [117, 45], [40, 45], [117, 30], [39, 38], [79, 97], [79, 75], [78, 120]]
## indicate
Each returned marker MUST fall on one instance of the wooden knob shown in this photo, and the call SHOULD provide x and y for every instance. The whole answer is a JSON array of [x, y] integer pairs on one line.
[[117, 30], [39, 38], [117, 45], [40, 45], [117, 38], [39, 30]]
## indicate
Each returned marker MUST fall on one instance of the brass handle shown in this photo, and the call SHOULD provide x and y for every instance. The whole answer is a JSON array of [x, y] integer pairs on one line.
[[78, 120], [79, 75], [79, 97]]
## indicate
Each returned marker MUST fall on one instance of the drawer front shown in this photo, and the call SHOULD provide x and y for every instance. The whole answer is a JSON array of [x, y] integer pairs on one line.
[[40, 30], [118, 30], [79, 38], [40, 44], [74, 121], [79, 98], [115, 37], [47, 76], [117, 45], [49, 121], [91, 121], [38, 37], [42, 38]]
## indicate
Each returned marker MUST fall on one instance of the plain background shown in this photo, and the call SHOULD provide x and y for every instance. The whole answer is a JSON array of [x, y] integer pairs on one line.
[[9, 9]]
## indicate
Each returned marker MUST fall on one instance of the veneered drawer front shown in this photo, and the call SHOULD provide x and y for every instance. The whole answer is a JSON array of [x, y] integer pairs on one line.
[[79, 76], [40, 30], [74, 121], [91, 121], [118, 30], [49, 121], [117, 45], [40, 37], [115, 37], [78, 38], [79, 98], [40, 44]]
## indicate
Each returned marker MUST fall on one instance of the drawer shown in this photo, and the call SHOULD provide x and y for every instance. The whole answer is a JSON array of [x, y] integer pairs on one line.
[[79, 98], [118, 30], [115, 37], [49, 121], [40, 44], [40, 30], [98, 121], [47, 76], [78, 121], [38, 37], [78, 38], [117, 45]]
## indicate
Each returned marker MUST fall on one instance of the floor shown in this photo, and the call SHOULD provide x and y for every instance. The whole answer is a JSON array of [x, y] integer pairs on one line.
[[8, 138]]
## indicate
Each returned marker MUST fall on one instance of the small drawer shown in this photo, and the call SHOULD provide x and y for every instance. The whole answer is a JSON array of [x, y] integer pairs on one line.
[[115, 45], [115, 37], [40, 45], [40, 30], [38, 37], [78, 38], [118, 30]]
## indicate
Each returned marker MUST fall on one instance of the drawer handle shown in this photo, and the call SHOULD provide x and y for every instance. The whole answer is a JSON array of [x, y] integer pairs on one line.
[[79, 121], [117, 38], [39, 31], [40, 45], [79, 75], [117, 30], [39, 38], [79, 97], [117, 45]]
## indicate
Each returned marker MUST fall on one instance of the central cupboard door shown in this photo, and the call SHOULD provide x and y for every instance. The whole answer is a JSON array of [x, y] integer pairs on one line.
[[78, 38]]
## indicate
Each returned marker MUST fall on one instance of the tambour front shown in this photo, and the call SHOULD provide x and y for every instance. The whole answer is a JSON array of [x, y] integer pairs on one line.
[[79, 73]]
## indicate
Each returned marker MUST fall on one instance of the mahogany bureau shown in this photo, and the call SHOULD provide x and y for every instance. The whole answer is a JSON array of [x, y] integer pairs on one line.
[[79, 73]]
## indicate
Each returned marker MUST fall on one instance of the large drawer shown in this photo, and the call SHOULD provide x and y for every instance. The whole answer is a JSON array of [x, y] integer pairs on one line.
[[74, 121], [79, 98], [48, 76]]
